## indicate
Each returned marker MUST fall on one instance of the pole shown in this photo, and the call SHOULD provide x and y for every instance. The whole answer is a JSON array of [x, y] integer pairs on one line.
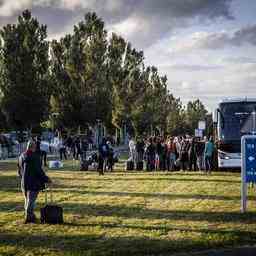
[[243, 178], [254, 122]]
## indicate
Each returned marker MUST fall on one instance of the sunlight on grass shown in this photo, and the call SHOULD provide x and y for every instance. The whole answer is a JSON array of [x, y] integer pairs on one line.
[[131, 213]]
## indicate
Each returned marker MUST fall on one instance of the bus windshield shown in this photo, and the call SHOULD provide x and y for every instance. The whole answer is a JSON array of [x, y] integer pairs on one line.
[[237, 120]]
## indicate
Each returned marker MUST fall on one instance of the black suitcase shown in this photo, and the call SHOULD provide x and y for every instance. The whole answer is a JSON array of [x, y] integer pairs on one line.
[[139, 166], [51, 213], [84, 165], [129, 166]]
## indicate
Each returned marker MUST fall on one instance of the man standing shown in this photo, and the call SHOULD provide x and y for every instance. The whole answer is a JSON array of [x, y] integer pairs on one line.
[[103, 156], [208, 154]]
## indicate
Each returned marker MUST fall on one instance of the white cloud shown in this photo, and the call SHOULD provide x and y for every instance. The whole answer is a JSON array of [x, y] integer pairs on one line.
[[145, 21], [10, 7], [215, 40]]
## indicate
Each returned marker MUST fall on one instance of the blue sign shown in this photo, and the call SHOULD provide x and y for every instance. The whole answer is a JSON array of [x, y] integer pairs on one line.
[[250, 160]]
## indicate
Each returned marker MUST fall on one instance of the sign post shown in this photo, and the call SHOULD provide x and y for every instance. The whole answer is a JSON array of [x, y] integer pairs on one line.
[[198, 133], [248, 170], [202, 125]]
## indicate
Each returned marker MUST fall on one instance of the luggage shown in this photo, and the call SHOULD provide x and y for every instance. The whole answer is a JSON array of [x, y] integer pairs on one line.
[[84, 165], [139, 166], [51, 213], [55, 164], [129, 165]]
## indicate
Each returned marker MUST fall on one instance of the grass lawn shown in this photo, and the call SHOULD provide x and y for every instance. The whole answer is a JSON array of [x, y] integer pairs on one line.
[[135, 213]]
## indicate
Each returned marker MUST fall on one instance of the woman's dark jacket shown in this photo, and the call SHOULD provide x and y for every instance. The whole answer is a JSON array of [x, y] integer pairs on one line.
[[32, 175]]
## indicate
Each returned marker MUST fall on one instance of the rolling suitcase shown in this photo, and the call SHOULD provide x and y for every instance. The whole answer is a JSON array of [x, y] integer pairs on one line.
[[84, 166], [129, 166], [139, 166], [51, 213]]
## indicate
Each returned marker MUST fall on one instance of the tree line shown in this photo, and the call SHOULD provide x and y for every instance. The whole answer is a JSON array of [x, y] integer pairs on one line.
[[84, 77]]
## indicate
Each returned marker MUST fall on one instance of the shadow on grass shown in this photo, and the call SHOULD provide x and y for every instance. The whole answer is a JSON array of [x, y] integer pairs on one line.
[[143, 213], [87, 244], [152, 178], [166, 229], [167, 196]]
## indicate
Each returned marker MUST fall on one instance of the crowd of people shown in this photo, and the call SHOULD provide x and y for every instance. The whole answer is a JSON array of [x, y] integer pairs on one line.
[[182, 153], [172, 154]]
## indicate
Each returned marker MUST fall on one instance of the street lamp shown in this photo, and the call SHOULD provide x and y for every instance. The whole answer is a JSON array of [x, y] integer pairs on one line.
[[98, 132]]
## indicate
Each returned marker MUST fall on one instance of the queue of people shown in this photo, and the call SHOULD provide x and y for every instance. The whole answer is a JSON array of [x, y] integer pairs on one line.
[[173, 153]]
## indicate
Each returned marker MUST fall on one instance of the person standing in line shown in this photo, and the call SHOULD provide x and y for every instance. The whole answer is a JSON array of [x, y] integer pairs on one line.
[[33, 179], [140, 147], [200, 145], [192, 155], [208, 155], [171, 154], [68, 143], [110, 157], [77, 147], [62, 148], [103, 156], [132, 148], [150, 152], [184, 154]]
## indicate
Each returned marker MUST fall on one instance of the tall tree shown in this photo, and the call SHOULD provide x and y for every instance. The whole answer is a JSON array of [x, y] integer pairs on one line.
[[79, 68], [195, 112], [24, 72], [176, 117]]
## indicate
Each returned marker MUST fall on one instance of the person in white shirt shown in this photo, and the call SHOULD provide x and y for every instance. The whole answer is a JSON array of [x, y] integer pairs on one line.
[[132, 148]]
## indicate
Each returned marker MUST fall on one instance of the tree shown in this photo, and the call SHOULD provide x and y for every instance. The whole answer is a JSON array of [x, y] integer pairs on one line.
[[176, 123], [195, 112], [24, 72], [79, 67]]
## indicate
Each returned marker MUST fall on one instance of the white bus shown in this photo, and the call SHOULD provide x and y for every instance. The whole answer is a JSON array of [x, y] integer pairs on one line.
[[232, 119]]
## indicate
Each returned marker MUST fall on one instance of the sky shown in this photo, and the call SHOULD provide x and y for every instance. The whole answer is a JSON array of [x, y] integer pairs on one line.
[[207, 48]]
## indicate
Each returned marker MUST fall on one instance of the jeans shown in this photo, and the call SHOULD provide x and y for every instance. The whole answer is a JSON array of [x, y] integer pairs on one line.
[[172, 159], [63, 153], [208, 163], [200, 162], [30, 201]]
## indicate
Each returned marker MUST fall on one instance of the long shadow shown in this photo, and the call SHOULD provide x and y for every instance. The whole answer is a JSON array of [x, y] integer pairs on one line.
[[165, 228], [103, 245], [153, 178], [152, 195], [143, 213]]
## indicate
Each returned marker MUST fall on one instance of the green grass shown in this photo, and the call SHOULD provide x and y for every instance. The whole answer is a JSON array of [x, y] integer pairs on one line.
[[128, 214]]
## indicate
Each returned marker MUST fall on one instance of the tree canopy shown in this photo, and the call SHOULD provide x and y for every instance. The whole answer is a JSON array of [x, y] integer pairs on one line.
[[86, 76]]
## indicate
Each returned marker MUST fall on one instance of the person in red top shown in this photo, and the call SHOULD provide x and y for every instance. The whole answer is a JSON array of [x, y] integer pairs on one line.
[[171, 154]]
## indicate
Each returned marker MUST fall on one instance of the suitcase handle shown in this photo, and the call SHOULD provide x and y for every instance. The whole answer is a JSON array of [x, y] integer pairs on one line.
[[46, 195]]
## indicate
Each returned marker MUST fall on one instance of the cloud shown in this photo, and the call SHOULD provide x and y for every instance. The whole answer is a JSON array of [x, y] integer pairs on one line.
[[193, 67], [142, 21], [239, 60], [10, 7], [219, 40]]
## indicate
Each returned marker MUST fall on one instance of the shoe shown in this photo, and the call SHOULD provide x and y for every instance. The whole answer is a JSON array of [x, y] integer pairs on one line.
[[30, 219]]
